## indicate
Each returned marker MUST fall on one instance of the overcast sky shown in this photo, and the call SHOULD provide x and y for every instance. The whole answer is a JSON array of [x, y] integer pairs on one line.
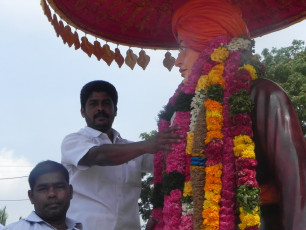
[[40, 82]]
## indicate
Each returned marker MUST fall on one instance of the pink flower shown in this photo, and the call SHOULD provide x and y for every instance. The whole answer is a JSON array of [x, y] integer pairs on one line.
[[172, 210], [241, 130], [228, 195], [213, 151], [157, 213], [158, 167], [242, 119], [242, 163], [163, 124], [186, 223], [233, 62], [176, 162]]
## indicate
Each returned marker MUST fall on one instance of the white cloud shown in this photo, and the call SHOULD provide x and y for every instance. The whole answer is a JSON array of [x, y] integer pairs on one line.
[[15, 188]]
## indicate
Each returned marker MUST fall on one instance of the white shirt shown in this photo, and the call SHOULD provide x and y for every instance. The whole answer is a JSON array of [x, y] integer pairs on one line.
[[104, 197], [1, 226], [34, 222]]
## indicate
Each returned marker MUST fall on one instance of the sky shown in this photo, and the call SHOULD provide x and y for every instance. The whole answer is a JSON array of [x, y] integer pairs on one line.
[[40, 82]]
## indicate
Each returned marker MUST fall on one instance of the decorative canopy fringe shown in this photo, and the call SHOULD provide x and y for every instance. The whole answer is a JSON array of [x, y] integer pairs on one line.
[[101, 52]]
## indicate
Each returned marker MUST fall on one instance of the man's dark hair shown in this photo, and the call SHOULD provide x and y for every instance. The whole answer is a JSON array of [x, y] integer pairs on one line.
[[98, 86], [47, 167]]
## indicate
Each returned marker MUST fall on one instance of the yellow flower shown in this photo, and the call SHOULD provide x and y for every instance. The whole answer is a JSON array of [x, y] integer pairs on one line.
[[249, 152], [220, 55], [251, 70], [242, 139], [187, 189], [211, 196], [249, 220], [190, 137], [244, 147], [215, 76], [214, 114], [202, 83]]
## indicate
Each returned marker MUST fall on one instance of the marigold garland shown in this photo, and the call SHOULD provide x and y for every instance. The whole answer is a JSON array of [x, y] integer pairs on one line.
[[218, 88]]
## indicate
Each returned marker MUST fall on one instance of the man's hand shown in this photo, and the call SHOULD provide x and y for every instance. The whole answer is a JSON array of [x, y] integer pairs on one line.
[[116, 154], [163, 140]]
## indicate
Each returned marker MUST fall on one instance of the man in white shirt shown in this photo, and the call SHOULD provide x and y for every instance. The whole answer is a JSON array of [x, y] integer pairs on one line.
[[50, 194], [105, 170]]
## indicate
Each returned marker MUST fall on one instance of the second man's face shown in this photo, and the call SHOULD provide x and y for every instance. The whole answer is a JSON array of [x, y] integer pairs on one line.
[[99, 111], [51, 196]]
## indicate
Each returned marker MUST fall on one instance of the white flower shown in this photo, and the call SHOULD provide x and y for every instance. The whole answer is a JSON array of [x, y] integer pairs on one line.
[[196, 103], [239, 44], [187, 208]]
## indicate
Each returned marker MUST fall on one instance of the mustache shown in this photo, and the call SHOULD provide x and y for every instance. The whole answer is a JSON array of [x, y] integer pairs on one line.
[[52, 201], [101, 114]]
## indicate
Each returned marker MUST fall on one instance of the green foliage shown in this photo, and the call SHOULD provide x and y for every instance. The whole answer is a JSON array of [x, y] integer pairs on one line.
[[144, 203], [287, 67], [146, 136], [3, 216]]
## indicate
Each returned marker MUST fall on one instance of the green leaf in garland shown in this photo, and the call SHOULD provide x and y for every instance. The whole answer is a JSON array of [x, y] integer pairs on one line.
[[248, 198], [158, 196], [240, 102], [186, 199], [173, 180], [182, 102], [215, 92]]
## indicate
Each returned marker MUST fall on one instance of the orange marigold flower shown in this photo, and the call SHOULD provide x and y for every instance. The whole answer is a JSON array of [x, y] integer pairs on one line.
[[214, 123], [213, 105], [213, 135]]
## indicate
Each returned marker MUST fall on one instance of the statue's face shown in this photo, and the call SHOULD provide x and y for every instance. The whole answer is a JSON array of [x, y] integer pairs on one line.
[[185, 59]]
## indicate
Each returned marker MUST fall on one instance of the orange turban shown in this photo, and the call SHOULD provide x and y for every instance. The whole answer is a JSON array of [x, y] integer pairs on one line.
[[200, 21]]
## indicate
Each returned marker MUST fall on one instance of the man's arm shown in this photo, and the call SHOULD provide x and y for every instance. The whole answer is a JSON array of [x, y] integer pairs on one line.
[[116, 154]]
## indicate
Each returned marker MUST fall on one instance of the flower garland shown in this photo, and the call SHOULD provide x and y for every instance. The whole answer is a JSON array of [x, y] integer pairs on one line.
[[213, 170]]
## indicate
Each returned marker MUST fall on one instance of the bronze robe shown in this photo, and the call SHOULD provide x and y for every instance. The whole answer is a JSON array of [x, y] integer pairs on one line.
[[281, 154]]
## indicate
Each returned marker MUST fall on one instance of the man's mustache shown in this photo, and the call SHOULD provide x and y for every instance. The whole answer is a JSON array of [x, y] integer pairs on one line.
[[101, 114]]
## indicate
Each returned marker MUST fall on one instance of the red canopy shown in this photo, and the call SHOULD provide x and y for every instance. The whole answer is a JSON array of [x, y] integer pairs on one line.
[[147, 23]]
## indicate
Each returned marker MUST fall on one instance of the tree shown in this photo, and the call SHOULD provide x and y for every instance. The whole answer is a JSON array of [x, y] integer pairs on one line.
[[287, 67], [144, 203], [3, 216]]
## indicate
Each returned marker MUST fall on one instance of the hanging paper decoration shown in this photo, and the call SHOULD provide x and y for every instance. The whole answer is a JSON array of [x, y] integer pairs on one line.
[[55, 24], [108, 54], [130, 58], [169, 61], [98, 51], [68, 36], [118, 57], [76, 41], [86, 46], [143, 59]]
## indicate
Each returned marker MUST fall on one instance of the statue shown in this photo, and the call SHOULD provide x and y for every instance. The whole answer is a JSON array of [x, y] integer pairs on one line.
[[243, 163]]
